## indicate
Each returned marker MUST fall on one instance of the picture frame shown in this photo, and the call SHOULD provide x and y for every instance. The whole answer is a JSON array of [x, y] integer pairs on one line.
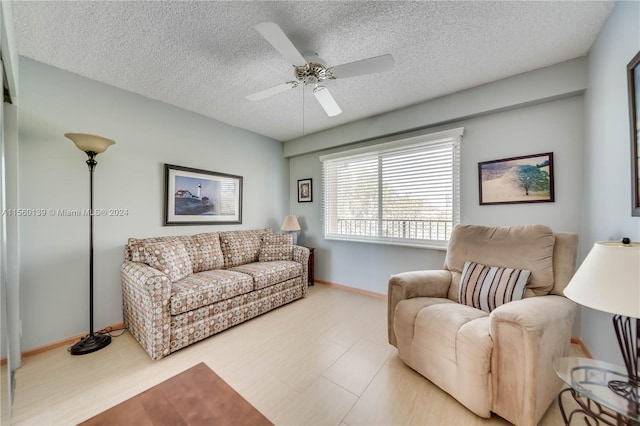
[[525, 179], [305, 190], [633, 80], [201, 197]]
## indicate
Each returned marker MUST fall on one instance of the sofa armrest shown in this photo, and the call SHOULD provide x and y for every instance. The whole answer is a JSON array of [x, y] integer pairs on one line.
[[146, 309], [408, 285], [301, 255], [528, 335]]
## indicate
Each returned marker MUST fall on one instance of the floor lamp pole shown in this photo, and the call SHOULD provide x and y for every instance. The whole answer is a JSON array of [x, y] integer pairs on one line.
[[92, 145], [91, 162]]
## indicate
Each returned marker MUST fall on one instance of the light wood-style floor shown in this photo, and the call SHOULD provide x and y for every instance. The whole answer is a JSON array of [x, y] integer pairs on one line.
[[321, 360]]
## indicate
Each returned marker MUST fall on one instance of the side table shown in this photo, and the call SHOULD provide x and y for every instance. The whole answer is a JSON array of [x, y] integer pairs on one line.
[[310, 266], [588, 381]]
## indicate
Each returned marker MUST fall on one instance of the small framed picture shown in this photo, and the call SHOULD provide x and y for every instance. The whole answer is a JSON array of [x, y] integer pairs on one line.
[[526, 179], [304, 191]]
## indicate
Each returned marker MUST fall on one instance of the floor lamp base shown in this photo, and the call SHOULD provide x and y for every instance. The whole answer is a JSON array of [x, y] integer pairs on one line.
[[90, 344]]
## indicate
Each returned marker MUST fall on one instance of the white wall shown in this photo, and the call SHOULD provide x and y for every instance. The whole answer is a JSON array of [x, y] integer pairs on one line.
[[544, 84], [129, 175], [607, 171], [553, 126]]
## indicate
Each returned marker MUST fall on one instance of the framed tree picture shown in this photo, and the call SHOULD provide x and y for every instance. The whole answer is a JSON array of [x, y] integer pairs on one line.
[[201, 197], [526, 179], [633, 79]]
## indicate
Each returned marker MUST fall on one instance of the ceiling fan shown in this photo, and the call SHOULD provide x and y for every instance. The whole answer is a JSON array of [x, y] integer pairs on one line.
[[309, 69]]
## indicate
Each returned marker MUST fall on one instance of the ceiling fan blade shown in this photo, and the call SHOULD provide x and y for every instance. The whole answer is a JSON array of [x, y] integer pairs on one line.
[[365, 66], [279, 40], [272, 91], [326, 101]]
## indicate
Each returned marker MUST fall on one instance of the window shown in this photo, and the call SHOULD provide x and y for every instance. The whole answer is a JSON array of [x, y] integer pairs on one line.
[[403, 192]]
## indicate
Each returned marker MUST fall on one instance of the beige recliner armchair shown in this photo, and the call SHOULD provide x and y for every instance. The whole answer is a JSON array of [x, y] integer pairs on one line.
[[498, 361]]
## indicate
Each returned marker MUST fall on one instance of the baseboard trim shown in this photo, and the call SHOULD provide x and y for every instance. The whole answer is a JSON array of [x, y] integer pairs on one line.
[[579, 342], [352, 289], [74, 339], [65, 342]]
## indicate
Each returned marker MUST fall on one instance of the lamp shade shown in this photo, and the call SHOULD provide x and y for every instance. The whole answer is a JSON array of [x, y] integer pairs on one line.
[[90, 143], [609, 279], [290, 223]]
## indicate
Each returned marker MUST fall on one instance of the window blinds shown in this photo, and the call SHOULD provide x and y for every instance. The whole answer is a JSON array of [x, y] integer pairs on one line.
[[403, 192]]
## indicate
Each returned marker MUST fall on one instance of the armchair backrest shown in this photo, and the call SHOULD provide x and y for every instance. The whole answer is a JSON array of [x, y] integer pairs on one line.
[[549, 256], [564, 260]]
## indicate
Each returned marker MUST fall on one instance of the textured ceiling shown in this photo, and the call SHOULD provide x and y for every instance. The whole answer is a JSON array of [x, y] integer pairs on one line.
[[206, 56]]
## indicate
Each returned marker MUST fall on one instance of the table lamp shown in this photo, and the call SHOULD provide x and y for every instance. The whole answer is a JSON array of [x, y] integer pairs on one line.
[[291, 225], [609, 280]]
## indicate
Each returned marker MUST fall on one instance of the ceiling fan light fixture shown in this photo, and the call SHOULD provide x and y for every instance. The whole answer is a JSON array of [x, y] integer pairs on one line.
[[326, 101], [312, 73]]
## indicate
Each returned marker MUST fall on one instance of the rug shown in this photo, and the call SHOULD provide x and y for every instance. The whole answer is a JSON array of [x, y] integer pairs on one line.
[[197, 396]]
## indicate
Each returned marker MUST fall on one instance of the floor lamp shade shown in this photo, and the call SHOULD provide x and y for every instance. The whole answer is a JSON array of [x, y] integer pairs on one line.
[[92, 145]]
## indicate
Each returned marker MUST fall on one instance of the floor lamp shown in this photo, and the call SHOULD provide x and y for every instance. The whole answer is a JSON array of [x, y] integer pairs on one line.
[[609, 280], [92, 145]]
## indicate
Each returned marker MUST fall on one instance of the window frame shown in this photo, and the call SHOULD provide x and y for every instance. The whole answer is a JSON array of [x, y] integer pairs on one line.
[[454, 136]]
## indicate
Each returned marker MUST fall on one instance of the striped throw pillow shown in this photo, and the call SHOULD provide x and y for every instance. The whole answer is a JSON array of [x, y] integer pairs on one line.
[[487, 287]]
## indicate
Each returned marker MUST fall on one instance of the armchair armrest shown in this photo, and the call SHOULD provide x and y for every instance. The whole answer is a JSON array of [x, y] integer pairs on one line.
[[408, 285], [528, 335], [301, 255], [145, 299]]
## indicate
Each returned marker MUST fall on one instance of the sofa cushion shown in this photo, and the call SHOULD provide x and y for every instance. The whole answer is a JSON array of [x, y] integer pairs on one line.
[[134, 250], [240, 247], [487, 287], [189, 327], [266, 274], [169, 257], [205, 288], [527, 247], [204, 251], [276, 247]]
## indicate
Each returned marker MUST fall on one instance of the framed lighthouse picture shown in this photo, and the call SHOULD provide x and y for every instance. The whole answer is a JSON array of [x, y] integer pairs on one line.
[[201, 197]]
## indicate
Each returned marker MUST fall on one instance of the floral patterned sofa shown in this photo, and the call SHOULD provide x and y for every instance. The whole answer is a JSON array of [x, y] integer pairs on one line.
[[179, 290]]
